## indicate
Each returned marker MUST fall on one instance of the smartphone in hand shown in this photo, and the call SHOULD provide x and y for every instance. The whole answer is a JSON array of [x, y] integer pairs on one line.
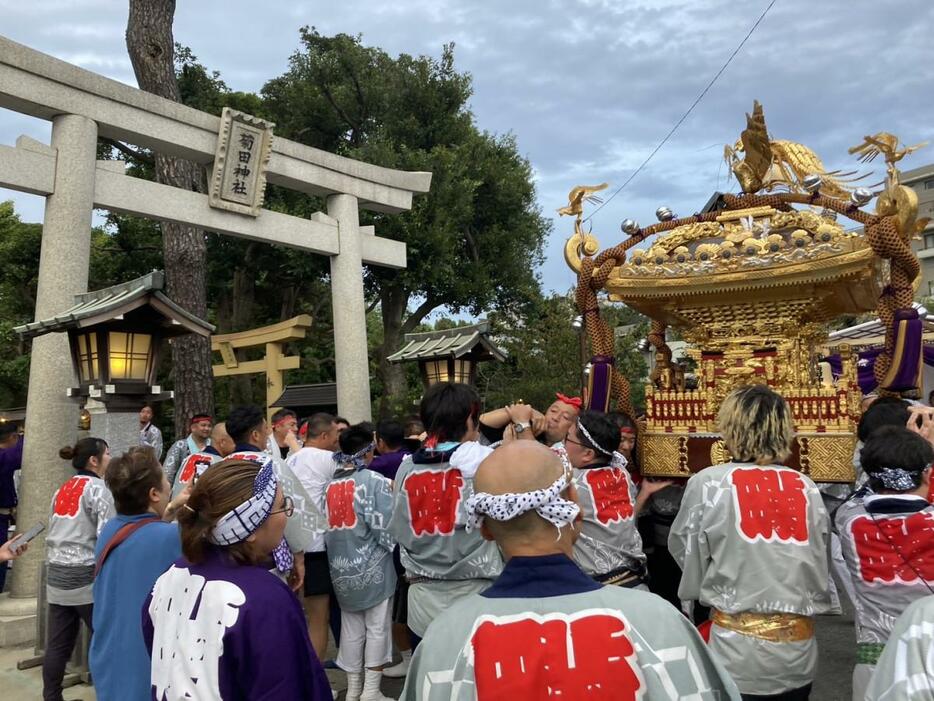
[[26, 537]]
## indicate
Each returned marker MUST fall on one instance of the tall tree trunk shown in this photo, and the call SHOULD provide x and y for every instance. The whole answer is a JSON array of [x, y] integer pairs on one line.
[[394, 303], [152, 49], [392, 375], [244, 319]]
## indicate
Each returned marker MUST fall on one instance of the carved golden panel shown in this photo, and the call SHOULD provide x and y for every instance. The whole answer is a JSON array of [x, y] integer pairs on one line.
[[827, 458], [665, 455]]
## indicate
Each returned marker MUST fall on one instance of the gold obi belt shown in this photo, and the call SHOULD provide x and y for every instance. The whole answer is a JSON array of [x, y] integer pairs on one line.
[[774, 627]]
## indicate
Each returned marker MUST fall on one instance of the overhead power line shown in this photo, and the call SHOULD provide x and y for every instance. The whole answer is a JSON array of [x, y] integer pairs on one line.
[[687, 113]]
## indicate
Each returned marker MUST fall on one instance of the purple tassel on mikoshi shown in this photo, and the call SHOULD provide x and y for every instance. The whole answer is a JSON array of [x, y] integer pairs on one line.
[[904, 372], [600, 383]]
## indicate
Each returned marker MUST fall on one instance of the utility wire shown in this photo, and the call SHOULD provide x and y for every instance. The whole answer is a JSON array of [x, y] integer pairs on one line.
[[686, 114]]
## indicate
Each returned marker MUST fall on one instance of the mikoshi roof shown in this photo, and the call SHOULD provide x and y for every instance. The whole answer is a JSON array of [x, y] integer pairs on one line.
[[449, 343], [96, 307], [323, 394]]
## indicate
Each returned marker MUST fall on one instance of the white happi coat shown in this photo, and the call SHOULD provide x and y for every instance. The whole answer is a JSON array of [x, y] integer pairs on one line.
[[890, 557], [754, 538], [609, 539], [191, 468], [610, 644], [905, 671]]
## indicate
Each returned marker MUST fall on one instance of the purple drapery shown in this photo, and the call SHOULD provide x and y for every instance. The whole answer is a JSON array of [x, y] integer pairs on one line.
[[600, 383], [865, 365], [905, 371]]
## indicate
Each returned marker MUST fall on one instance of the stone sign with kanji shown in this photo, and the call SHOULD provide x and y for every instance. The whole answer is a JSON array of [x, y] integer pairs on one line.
[[243, 148]]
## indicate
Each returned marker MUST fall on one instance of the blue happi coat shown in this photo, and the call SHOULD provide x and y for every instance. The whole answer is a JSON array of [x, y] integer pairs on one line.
[[358, 542]]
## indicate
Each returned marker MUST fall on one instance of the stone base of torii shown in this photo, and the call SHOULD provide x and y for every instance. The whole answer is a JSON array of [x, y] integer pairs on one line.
[[83, 106]]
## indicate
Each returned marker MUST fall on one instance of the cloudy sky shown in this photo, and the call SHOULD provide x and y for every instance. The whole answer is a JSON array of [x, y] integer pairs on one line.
[[589, 87]]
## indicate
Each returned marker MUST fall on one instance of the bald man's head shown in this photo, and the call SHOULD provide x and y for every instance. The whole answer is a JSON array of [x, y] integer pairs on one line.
[[221, 440], [520, 467]]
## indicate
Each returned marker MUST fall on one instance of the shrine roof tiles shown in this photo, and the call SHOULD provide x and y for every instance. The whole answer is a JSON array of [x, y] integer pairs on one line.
[[455, 343]]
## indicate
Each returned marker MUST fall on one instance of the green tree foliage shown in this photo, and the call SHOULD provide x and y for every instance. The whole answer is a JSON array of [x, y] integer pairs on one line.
[[475, 241], [545, 354]]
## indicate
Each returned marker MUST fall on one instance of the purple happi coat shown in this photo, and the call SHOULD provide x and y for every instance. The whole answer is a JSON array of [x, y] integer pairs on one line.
[[219, 630]]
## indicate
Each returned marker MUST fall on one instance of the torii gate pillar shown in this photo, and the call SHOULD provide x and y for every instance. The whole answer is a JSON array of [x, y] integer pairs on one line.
[[349, 311]]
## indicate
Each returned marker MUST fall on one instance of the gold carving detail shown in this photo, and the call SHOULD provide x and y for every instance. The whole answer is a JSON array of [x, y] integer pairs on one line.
[[827, 458], [667, 454]]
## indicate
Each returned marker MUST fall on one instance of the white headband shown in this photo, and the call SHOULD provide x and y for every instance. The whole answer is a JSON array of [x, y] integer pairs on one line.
[[237, 525], [504, 507], [593, 444]]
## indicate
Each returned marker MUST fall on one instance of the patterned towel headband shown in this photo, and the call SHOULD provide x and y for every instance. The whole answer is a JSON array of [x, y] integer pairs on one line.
[[897, 478], [549, 504], [358, 459], [593, 443], [239, 524]]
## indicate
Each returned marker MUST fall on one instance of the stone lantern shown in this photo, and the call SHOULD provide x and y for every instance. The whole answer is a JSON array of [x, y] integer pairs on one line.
[[115, 336], [450, 355]]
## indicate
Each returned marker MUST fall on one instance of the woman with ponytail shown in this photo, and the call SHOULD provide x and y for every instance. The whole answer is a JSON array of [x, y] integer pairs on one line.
[[80, 508], [218, 624]]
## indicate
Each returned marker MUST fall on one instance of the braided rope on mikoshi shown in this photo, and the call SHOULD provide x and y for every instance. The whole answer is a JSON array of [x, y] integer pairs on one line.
[[881, 233]]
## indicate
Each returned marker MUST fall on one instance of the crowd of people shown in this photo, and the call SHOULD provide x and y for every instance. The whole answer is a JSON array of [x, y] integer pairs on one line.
[[511, 553]]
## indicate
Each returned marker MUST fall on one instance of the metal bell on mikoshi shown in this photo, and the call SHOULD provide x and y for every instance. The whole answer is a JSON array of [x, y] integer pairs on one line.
[[861, 196], [630, 226], [664, 214], [812, 182]]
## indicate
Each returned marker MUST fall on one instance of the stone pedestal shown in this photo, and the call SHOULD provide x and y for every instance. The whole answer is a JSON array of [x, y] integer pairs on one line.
[[351, 358], [51, 417], [17, 621], [119, 427]]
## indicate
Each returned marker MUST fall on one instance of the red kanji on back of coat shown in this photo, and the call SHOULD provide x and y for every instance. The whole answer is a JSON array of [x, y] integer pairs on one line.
[[68, 499], [611, 499], [565, 657], [340, 498], [433, 500], [771, 505], [895, 549]]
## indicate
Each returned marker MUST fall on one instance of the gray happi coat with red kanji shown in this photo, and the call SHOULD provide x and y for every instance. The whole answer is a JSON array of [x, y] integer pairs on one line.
[[609, 539], [888, 545], [753, 538]]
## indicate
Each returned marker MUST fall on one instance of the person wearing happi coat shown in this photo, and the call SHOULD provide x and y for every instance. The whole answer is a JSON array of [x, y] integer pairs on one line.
[[196, 441], [905, 671], [443, 561], [80, 509], [359, 549], [888, 540], [751, 540], [609, 548], [545, 629], [248, 429], [218, 625]]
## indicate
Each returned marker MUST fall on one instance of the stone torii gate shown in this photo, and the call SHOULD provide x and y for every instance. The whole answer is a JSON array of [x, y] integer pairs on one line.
[[83, 106]]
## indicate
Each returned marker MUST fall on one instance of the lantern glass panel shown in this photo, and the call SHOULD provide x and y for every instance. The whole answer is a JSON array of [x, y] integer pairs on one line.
[[129, 355], [436, 371], [88, 358], [462, 371]]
